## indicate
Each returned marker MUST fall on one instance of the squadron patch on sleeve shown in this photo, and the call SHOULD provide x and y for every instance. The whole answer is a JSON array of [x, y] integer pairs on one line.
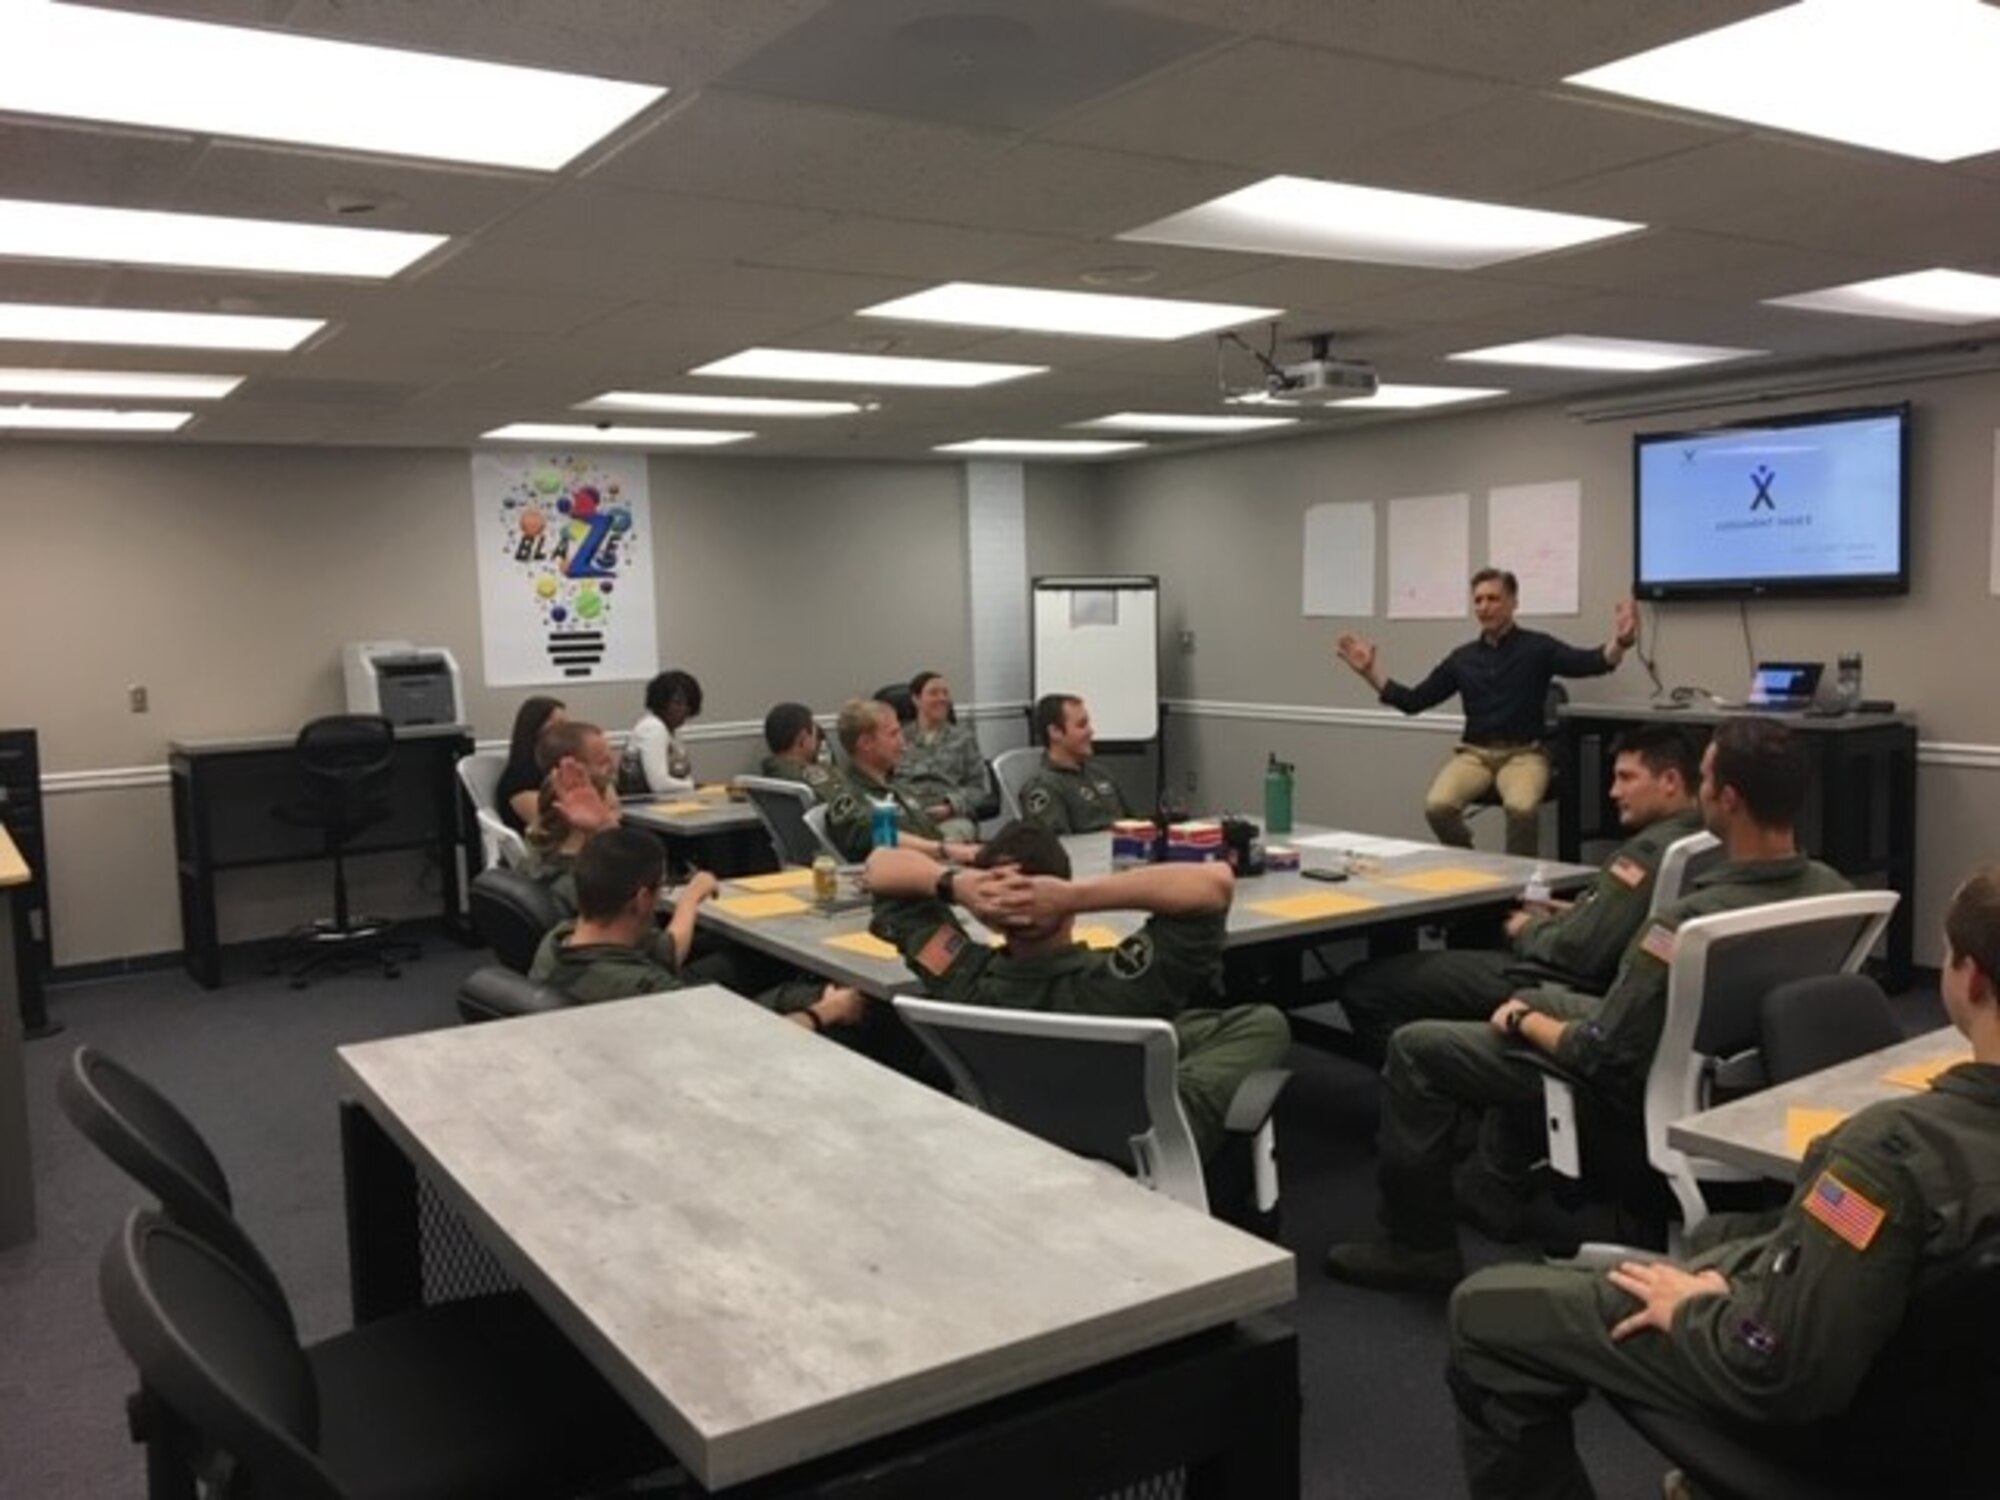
[[846, 805], [1035, 800], [1132, 958]]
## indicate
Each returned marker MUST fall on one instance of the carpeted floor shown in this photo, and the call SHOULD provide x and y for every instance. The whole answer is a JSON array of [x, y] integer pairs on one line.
[[252, 1064]]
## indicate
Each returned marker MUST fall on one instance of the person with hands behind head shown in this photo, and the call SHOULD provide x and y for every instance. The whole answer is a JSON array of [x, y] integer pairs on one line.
[[1021, 888], [1771, 1318], [1502, 682]]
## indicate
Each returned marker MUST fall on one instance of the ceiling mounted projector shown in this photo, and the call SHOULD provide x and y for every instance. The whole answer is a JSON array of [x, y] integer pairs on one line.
[[1321, 382]]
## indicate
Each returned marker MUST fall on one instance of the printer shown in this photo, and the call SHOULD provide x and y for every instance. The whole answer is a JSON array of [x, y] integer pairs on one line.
[[406, 684]]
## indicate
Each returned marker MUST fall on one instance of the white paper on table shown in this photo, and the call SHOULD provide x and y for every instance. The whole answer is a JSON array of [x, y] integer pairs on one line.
[[1368, 845], [1340, 559], [1427, 557], [1534, 531]]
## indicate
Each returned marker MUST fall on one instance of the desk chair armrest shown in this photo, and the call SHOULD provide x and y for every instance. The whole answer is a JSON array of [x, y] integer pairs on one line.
[[1255, 1097], [1559, 1086], [494, 993]]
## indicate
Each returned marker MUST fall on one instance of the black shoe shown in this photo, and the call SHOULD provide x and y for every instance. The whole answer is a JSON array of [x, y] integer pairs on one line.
[[1387, 1266], [1491, 1204]]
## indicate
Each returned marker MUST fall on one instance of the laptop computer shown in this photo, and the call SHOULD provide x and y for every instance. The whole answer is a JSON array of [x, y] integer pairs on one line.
[[1779, 687]]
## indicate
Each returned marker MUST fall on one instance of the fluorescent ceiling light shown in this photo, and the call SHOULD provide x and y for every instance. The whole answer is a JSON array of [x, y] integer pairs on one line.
[[1935, 296], [1581, 351], [1912, 78], [1158, 421], [1341, 221], [89, 419], [1028, 309], [44, 324], [718, 406], [1039, 447], [862, 369], [82, 63], [140, 237], [1390, 397], [614, 437], [130, 384]]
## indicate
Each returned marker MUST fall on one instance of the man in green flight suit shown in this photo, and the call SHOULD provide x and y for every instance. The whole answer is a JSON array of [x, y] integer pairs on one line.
[[793, 740], [1021, 888], [1654, 782], [872, 736], [615, 948], [1753, 779], [1773, 1318], [1067, 794]]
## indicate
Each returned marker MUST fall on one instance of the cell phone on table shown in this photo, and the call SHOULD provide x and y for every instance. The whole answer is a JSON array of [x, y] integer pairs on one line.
[[1327, 875]]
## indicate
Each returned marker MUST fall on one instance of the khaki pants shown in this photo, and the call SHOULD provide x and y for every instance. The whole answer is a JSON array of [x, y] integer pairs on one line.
[[1520, 772]]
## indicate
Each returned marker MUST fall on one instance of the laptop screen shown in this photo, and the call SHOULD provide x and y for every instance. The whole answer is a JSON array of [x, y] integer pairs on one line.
[[1785, 684]]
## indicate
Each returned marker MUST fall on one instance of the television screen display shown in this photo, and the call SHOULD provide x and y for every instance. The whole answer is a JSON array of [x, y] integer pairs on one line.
[[1797, 506]]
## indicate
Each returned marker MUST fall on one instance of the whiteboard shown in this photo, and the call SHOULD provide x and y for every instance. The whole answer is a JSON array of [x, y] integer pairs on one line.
[[1098, 639]]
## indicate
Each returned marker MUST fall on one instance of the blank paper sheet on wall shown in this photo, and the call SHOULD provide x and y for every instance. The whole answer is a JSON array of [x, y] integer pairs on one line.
[[1427, 557], [1534, 531], [1340, 559]]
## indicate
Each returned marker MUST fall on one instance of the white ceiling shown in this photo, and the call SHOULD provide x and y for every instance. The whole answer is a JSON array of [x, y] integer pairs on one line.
[[817, 156]]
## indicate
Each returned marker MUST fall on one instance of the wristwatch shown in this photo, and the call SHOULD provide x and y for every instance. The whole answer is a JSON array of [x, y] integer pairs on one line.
[[944, 884]]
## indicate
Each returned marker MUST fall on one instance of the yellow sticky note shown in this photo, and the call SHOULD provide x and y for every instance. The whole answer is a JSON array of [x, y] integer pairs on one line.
[[1316, 904], [1096, 937], [713, 789], [866, 944], [1920, 1076], [1804, 1126], [784, 880], [682, 807], [778, 905], [1442, 882]]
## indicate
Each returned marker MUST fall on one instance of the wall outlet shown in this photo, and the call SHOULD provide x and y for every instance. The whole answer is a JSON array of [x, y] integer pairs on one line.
[[135, 697]]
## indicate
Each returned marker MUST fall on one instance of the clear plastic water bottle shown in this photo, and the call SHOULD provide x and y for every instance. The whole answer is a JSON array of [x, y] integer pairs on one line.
[[1537, 888], [882, 824]]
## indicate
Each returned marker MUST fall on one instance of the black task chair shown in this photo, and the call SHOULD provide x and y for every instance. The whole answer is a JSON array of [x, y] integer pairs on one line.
[[512, 912], [491, 993], [440, 1374], [782, 806], [482, 1397], [1911, 1429], [344, 774], [1809, 1024], [1552, 707]]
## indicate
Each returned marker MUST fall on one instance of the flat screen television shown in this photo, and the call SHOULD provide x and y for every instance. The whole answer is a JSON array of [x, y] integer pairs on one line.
[[1808, 506]]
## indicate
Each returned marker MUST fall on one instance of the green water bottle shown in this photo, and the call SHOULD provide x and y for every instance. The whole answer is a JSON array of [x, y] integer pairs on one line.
[[1277, 796]]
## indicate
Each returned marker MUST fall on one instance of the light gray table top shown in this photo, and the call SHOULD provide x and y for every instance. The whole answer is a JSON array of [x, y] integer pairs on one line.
[[715, 815], [774, 1248], [1752, 1132], [810, 938]]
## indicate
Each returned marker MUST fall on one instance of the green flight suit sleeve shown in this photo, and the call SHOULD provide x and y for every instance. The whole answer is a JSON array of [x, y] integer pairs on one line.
[[849, 820], [1616, 1036], [945, 960], [1043, 804], [1587, 940], [1164, 968]]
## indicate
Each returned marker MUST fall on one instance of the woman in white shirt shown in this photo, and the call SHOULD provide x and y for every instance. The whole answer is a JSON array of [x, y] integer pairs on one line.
[[672, 698]]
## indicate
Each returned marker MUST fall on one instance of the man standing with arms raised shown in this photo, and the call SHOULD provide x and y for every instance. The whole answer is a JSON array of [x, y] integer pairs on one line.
[[1502, 681]]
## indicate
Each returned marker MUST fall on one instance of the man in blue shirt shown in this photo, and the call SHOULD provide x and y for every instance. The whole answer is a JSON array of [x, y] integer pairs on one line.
[[1502, 682]]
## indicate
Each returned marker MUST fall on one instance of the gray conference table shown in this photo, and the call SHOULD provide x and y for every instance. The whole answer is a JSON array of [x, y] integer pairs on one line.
[[783, 1255], [705, 829], [1753, 1133], [1383, 906]]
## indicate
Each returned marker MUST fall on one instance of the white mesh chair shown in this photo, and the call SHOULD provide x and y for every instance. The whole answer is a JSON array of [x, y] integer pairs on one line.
[[479, 774], [1011, 770], [503, 847], [1723, 966], [816, 821], [1684, 859], [785, 806]]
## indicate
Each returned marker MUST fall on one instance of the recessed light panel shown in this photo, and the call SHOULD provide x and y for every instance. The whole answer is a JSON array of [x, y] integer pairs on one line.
[[89, 419], [613, 436], [129, 384], [814, 366], [717, 406], [1027, 309], [1935, 296], [1581, 351], [1159, 421], [140, 237], [1342, 221], [1912, 78], [33, 322], [1392, 397], [1038, 447], [75, 62]]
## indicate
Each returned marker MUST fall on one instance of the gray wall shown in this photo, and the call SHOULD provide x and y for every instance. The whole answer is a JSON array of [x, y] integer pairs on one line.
[[1262, 677]]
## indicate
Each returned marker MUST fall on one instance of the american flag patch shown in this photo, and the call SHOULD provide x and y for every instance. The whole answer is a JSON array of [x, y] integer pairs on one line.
[[1628, 872], [1843, 1210], [1659, 941], [941, 951]]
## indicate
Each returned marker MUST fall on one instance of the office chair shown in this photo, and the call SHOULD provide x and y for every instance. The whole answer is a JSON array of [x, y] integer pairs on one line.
[[1909, 1431], [1552, 707], [992, 804], [1809, 1024], [491, 993], [1011, 770], [344, 770], [1105, 1087], [479, 774], [782, 806], [897, 696], [512, 913], [482, 1397], [816, 821]]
